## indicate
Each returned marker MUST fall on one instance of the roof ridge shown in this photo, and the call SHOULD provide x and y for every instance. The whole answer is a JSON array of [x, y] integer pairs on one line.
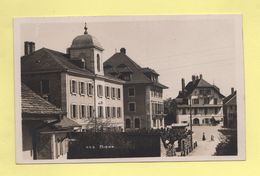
[[57, 60], [138, 67]]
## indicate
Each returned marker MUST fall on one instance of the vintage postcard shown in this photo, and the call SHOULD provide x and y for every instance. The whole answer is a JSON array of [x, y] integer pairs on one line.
[[129, 89]]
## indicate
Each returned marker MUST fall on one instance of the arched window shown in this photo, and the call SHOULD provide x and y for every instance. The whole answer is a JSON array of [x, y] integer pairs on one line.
[[137, 123], [127, 123], [98, 62]]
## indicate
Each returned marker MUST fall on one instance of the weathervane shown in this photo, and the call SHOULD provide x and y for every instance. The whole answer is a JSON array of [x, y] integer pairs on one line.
[[86, 29]]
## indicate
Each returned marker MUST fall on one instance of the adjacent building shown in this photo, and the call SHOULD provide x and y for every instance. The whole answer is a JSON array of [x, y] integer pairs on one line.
[[75, 82], [230, 110], [142, 92], [44, 128], [200, 100]]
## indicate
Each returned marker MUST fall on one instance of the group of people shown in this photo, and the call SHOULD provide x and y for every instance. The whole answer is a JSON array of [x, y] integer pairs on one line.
[[204, 137]]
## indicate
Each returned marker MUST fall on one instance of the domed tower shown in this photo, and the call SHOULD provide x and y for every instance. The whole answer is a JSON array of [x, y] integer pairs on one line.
[[86, 47]]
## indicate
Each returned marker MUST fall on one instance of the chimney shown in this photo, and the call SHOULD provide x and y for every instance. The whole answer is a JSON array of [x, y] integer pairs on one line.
[[201, 76], [26, 48], [123, 50], [32, 47], [193, 78], [182, 84], [197, 77], [232, 90], [29, 47]]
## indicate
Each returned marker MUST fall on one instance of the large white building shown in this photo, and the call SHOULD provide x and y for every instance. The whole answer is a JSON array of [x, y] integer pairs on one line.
[[76, 83], [201, 100]]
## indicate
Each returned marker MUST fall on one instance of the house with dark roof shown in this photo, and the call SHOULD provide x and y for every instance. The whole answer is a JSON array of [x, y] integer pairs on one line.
[[44, 128], [230, 110], [200, 100], [143, 93], [75, 82]]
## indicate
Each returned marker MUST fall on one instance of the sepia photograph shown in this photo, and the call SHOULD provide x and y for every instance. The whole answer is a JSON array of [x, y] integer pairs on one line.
[[129, 89]]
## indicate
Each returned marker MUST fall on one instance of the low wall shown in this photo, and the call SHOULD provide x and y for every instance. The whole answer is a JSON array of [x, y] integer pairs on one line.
[[85, 145]]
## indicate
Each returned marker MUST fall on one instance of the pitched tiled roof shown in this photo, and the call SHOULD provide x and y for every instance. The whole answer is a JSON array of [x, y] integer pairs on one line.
[[149, 70], [231, 98], [45, 59], [119, 60], [198, 83], [66, 123], [34, 104]]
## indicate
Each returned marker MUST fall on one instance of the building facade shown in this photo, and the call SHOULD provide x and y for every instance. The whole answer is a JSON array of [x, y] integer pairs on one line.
[[143, 94], [230, 110], [199, 100], [76, 83]]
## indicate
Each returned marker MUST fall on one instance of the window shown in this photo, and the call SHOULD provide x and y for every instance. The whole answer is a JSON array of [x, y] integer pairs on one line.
[[100, 90], [137, 123], [195, 111], [131, 92], [206, 110], [82, 89], [161, 124], [90, 111], [113, 112], [215, 101], [45, 87], [82, 111], [118, 112], [206, 100], [216, 110], [154, 122], [107, 92], [127, 123], [73, 86], [195, 101], [107, 111], [90, 89], [118, 93], [74, 110], [100, 111], [131, 107], [183, 111], [113, 92], [98, 62], [153, 109], [126, 76]]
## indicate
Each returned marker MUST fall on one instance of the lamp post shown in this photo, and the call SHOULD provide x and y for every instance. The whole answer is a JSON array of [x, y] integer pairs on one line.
[[191, 147]]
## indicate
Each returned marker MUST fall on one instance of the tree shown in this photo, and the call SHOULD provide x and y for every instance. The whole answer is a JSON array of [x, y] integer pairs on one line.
[[227, 145], [170, 111]]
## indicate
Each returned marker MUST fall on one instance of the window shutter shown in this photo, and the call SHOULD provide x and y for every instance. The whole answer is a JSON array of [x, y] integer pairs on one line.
[[76, 109], [71, 111], [79, 87], [70, 86], [76, 87], [88, 111], [80, 111], [88, 88]]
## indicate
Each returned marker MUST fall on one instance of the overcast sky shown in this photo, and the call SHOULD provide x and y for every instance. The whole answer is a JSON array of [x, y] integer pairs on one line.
[[176, 47]]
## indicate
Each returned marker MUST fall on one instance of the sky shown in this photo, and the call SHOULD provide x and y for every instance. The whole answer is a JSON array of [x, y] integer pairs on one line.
[[176, 47]]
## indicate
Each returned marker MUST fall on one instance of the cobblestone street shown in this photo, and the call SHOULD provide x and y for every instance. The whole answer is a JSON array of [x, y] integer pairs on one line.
[[207, 147]]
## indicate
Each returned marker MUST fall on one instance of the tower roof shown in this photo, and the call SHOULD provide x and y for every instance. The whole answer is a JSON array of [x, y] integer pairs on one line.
[[86, 41]]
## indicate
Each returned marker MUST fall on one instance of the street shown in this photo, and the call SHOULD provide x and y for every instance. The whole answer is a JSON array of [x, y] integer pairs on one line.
[[207, 147]]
